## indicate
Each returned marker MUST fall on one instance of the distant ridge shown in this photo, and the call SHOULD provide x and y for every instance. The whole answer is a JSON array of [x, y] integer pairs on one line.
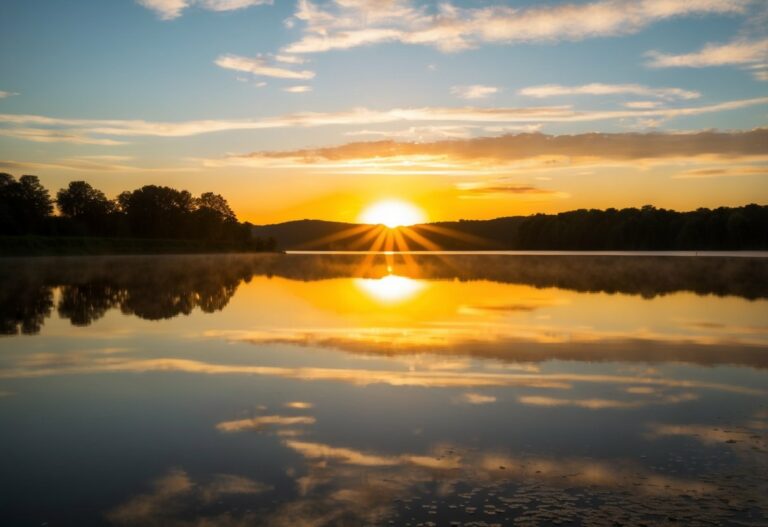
[[298, 234], [633, 229]]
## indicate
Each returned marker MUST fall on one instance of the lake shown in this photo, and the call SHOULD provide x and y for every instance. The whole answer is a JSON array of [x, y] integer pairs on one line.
[[384, 389]]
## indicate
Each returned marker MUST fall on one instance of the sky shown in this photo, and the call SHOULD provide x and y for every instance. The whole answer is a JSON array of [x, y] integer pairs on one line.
[[470, 109]]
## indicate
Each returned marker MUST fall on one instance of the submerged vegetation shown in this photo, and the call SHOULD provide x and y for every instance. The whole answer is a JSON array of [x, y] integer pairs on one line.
[[154, 219]]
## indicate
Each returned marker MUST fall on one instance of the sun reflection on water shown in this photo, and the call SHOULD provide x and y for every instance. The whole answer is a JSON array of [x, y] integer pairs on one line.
[[390, 289]]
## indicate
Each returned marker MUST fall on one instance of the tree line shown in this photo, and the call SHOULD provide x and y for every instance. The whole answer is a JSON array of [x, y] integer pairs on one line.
[[632, 229], [646, 228], [150, 212]]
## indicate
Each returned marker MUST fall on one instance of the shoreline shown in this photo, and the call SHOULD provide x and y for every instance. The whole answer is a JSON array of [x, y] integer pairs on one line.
[[686, 254], [31, 246]]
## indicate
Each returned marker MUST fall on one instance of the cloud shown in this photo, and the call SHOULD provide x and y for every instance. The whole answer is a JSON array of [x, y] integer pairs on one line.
[[738, 52], [477, 398], [175, 491], [351, 456], [41, 135], [90, 163], [602, 404], [231, 5], [513, 147], [474, 91], [422, 133], [170, 9], [260, 66], [729, 171], [356, 377], [299, 405], [259, 423], [230, 484], [290, 59], [491, 190], [553, 90], [344, 24], [526, 345], [298, 89], [643, 105], [4, 94], [361, 116], [166, 9]]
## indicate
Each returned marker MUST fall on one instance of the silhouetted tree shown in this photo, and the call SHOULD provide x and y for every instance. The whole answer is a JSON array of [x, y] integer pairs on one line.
[[157, 212], [24, 205], [214, 219], [88, 208], [215, 204], [81, 201]]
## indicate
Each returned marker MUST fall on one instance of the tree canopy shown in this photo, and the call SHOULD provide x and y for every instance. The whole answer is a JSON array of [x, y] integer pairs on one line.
[[24, 204], [149, 212]]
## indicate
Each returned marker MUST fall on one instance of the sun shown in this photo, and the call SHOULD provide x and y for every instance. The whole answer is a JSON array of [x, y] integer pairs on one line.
[[392, 213]]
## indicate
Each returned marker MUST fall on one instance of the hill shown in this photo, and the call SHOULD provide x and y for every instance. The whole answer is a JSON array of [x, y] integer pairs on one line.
[[632, 229]]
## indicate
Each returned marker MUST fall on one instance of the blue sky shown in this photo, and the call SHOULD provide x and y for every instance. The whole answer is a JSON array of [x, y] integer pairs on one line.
[[125, 92]]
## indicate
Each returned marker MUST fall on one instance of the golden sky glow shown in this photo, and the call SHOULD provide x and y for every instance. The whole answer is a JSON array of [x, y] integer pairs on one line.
[[291, 110]]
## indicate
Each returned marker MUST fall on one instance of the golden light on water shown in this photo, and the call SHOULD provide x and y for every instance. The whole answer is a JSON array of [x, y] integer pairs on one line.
[[392, 213], [391, 289]]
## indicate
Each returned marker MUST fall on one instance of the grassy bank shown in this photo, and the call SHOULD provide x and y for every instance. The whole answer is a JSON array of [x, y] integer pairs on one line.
[[71, 246]]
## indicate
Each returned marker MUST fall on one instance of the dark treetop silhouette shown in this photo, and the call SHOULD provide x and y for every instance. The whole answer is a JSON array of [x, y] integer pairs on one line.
[[152, 212]]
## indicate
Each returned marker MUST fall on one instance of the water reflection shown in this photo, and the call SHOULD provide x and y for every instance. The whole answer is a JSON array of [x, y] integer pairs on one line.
[[155, 288], [457, 485], [374, 390], [391, 289]]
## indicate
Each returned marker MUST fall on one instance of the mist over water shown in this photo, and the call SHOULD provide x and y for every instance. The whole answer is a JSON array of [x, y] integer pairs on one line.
[[376, 389]]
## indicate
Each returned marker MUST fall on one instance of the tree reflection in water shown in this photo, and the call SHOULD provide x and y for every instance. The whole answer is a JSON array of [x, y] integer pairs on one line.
[[161, 287]]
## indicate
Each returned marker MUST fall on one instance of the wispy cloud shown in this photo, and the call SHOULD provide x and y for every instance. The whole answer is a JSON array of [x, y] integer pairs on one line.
[[361, 116], [615, 146], [474, 91], [343, 24], [298, 89], [290, 59], [476, 398], [4, 94], [299, 405], [258, 423], [459, 131], [553, 90], [602, 404], [737, 52], [750, 54], [642, 105], [90, 163], [170, 9], [231, 5], [42, 135], [729, 171], [490, 190], [261, 66]]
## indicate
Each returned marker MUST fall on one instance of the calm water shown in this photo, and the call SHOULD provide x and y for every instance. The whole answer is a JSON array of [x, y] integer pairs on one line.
[[384, 390]]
